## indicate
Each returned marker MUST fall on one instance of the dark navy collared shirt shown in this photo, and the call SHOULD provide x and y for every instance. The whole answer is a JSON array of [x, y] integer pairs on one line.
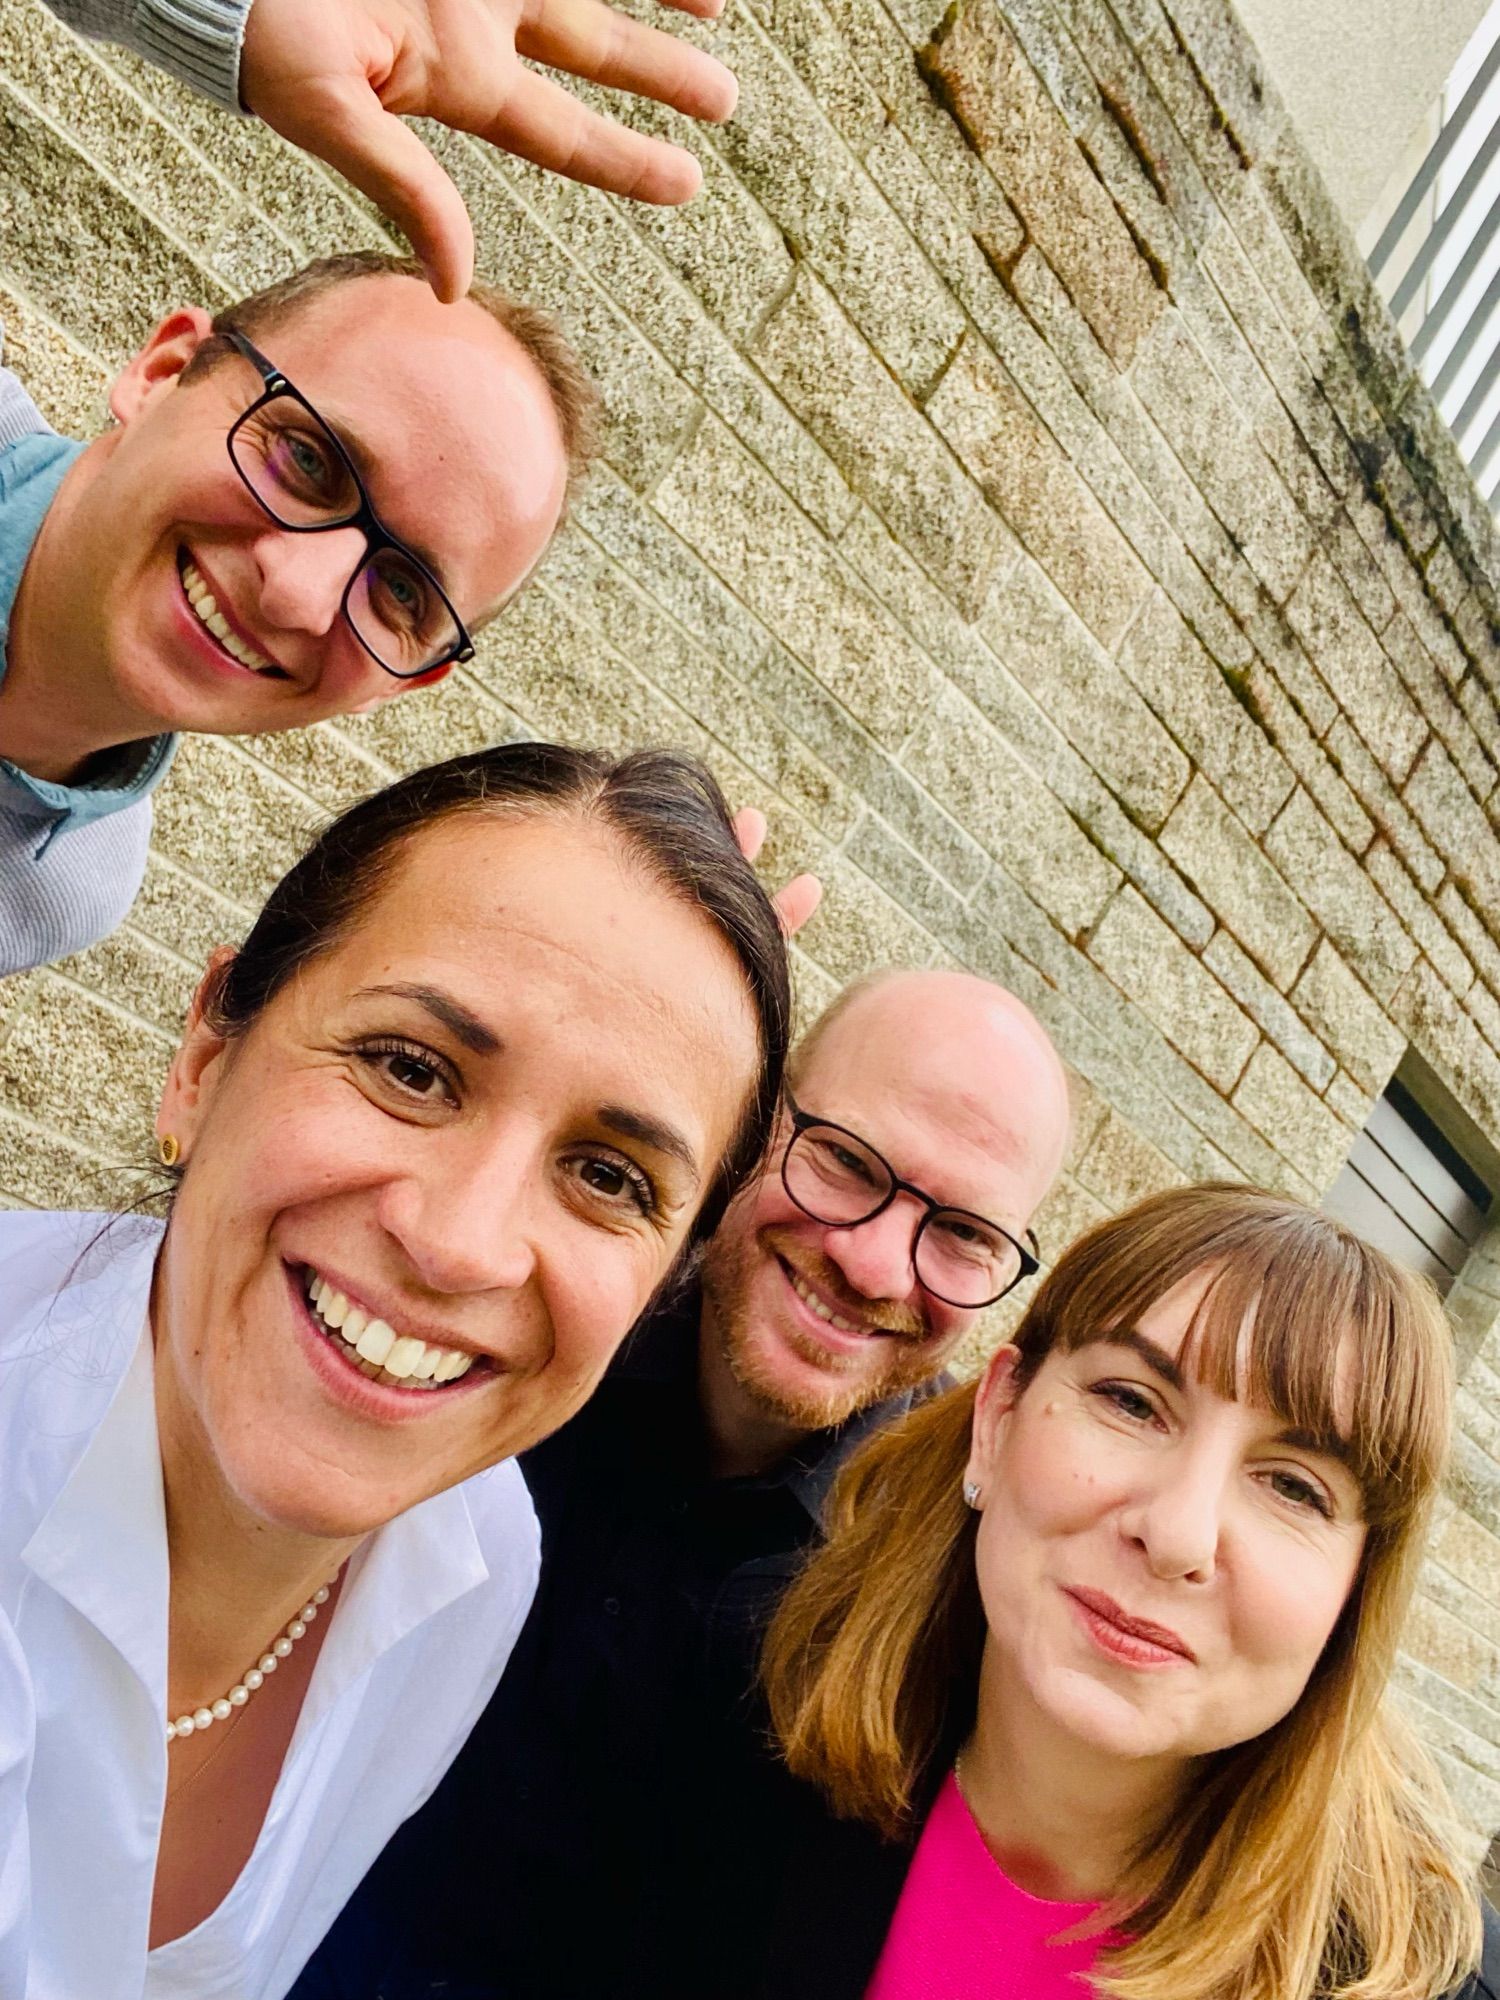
[[550, 1863]]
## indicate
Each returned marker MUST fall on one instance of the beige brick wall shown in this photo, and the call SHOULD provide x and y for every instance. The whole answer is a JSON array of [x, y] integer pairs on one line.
[[1013, 485]]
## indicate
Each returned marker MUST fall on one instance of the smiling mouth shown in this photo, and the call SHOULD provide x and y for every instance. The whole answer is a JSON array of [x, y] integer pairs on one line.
[[206, 610], [817, 1304], [398, 1360]]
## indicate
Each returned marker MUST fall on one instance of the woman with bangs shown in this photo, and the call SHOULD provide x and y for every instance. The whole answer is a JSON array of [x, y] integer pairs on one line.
[[1093, 1673]]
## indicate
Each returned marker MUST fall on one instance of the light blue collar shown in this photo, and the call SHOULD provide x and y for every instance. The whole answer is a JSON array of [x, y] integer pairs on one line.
[[30, 473]]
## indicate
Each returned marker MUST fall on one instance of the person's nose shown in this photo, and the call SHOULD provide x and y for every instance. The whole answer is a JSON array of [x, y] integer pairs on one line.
[[470, 1223], [303, 578], [875, 1257], [1176, 1517]]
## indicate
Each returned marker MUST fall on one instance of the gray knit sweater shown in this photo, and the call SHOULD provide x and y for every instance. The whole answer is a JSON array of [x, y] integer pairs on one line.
[[197, 40], [71, 856]]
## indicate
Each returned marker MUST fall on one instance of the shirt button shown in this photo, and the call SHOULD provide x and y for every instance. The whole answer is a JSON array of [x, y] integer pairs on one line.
[[612, 1607]]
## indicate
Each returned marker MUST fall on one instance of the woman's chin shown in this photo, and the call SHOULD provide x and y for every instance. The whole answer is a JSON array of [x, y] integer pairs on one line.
[[317, 1500], [1108, 1721]]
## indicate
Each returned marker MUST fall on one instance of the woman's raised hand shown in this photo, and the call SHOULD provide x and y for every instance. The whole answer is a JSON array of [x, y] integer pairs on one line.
[[337, 79], [796, 902]]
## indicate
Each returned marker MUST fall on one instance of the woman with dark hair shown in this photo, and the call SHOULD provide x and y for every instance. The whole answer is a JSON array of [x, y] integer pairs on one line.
[[1093, 1672], [484, 1073]]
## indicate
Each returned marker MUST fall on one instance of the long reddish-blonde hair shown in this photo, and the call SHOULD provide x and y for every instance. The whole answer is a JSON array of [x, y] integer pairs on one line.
[[1315, 1862]]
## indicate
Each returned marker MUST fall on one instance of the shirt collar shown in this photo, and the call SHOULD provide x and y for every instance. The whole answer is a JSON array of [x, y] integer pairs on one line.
[[663, 1350], [102, 1544], [117, 1478], [407, 1572], [31, 471]]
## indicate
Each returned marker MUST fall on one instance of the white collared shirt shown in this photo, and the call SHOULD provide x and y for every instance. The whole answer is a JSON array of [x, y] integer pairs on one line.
[[429, 1611], [17, 1728]]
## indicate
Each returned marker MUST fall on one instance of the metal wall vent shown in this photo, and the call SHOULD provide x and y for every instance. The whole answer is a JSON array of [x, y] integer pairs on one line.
[[1408, 1190]]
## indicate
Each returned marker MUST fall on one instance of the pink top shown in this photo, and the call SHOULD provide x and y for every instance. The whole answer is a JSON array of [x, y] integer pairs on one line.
[[964, 1931]]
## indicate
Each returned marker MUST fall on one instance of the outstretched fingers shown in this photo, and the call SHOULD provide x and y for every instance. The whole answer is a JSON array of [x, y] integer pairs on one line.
[[543, 123], [589, 38]]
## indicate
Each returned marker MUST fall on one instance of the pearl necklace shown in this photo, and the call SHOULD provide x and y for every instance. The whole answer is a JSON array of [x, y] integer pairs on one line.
[[240, 1693]]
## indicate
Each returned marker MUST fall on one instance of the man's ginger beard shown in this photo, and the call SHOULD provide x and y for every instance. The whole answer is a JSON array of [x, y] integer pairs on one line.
[[733, 1263]]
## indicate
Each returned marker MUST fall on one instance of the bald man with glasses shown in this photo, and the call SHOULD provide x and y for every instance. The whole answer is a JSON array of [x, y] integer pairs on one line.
[[619, 1755]]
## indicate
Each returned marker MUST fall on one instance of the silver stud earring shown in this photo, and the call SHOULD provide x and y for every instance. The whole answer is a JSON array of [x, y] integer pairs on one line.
[[971, 1492]]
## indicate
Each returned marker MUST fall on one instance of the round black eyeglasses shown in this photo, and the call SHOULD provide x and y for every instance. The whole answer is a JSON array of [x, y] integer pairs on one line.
[[299, 472], [840, 1180]]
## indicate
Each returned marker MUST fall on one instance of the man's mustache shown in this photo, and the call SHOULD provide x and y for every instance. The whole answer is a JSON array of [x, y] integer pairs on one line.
[[888, 1316]]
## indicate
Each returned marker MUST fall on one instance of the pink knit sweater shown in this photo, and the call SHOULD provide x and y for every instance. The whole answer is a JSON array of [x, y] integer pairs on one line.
[[964, 1931]]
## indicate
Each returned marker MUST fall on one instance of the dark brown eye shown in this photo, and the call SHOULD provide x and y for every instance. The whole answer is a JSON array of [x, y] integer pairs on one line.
[[414, 1071], [614, 1181], [413, 1075]]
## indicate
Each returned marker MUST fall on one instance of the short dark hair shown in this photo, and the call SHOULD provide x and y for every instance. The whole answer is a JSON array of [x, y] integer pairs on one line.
[[575, 400], [664, 804]]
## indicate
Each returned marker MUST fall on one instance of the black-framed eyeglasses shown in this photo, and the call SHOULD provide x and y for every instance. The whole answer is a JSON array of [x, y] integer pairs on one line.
[[840, 1180], [300, 473]]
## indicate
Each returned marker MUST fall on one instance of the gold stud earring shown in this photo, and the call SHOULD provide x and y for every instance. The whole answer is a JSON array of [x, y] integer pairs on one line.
[[167, 1149]]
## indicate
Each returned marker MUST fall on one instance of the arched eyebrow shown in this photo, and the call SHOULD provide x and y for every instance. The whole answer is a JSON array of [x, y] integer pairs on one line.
[[467, 1028], [1156, 1358], [653, 1132], [1296, 1437], [456, 1018]]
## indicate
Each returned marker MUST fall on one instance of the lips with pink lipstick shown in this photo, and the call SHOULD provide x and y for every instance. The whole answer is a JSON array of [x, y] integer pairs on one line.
[[1136, 1642]]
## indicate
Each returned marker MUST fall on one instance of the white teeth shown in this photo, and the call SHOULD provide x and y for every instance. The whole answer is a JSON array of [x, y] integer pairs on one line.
[[823, 1311], [399, 1357], [403, 1357], [206, 605], [375, 1343]]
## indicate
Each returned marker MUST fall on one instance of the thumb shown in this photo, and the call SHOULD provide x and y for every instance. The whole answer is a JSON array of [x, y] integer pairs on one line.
[[750, 831], [796, 902], [349, 129]]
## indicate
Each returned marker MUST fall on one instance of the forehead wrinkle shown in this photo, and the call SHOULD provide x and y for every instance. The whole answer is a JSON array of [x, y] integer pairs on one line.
[[651, 999], [964, 1144], [972, 1118]]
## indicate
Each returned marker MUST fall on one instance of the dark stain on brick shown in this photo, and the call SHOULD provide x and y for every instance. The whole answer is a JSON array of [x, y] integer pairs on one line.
[[1221, 121], [1161, 277], [1148, 256], [1237, 681], [1004, 266], [1135, 139], [929, 66]]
